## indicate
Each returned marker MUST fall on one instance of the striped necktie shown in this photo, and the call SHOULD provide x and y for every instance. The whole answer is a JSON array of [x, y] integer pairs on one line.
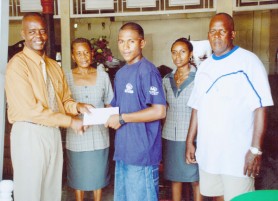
[[52, 102]]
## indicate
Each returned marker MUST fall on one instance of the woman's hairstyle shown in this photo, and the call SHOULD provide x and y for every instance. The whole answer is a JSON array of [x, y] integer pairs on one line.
[[80, 40], [135, 27], [186, 42]]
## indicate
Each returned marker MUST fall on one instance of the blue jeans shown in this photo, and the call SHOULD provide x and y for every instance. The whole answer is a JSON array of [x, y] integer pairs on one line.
[[136, 183]]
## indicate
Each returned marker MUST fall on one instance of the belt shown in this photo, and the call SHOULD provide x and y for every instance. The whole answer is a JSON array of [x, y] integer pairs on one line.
[[39, 124]]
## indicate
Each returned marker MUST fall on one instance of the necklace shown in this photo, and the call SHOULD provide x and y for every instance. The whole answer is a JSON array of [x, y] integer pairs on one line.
[[180, 76]]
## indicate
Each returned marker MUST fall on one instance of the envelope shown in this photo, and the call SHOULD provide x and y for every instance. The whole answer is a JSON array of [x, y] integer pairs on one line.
[[99, 115]]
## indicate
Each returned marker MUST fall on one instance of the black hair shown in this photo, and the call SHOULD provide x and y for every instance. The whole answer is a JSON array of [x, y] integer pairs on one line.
[[186, 42], [135, 27], [80, 40]]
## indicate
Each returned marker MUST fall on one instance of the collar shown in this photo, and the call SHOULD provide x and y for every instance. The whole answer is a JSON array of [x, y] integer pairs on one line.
[[192, 72], [225, 55], [33, 55], [190, 78]]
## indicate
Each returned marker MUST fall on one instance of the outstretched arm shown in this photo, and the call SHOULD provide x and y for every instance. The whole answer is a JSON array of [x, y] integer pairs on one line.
[[192, 132], [84, 108], [152, 113], [253, 161]]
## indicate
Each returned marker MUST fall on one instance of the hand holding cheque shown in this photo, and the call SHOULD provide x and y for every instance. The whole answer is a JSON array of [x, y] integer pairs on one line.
[[77, 123], [99, 115]]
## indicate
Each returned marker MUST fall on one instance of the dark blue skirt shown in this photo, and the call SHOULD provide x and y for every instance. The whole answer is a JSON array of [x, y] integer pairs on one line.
[[88, 170], [174, 165]]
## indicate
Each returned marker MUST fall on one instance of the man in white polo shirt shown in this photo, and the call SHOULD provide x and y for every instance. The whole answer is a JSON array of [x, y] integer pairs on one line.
[[229, 101]]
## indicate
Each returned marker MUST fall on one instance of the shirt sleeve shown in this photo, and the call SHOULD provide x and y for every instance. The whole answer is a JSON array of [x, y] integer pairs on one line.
[[152, 88], [113, 101], [22, 102], [108, 94], [258, 80], [195, 95], [163, 84]]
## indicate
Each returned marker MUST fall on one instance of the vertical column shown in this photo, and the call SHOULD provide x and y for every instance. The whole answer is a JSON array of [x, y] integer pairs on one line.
[[261, 36], [224, 6], [4, 33], [48, 12], [65, 34]]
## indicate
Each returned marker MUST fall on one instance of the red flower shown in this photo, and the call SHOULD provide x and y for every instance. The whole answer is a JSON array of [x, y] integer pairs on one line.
[[102, 52]]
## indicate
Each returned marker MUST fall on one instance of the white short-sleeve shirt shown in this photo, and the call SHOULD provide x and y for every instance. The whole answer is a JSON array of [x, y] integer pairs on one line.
[[227, 90]]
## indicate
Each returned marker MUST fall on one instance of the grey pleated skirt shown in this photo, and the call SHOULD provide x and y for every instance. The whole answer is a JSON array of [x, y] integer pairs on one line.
[[174, 166], [88, 170]]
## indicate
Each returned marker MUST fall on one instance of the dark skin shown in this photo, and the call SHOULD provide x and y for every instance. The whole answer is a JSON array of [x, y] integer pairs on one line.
[[130, 45], [253, 162], [35, 36], [221, 34], [34, 33], [181, 55]]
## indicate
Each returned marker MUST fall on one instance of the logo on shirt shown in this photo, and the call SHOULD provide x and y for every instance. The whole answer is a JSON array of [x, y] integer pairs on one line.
[[153, 91], [129, 88]]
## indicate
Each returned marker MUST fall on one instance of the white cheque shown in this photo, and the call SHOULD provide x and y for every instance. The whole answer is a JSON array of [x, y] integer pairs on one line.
[[99, 115]]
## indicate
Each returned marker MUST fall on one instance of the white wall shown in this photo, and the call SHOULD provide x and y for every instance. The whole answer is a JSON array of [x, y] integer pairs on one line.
[[162, 33], [159, 33], [253, 33]]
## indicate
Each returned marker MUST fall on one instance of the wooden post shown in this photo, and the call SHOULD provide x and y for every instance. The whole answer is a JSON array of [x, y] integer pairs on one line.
[[48, 12], [66, 32]]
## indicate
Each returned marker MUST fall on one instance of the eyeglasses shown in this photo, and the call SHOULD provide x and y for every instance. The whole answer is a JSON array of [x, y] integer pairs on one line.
[[213, 32]]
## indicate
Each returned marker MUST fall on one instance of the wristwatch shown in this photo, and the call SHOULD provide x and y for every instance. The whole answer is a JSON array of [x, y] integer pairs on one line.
[[255, 151], [122, 122]]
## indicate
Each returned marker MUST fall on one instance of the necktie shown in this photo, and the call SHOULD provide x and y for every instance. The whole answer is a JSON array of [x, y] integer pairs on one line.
[[52, 102]]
